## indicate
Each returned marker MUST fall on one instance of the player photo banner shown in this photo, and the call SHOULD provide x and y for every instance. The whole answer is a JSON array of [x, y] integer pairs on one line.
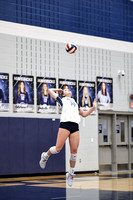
[[45, 103], [105, 93], [86, 94], [4, 92], [23, 93], [71, 84]]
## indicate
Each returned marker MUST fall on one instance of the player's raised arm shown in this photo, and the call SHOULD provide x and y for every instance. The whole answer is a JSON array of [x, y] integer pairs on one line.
[[53, 93], [88, 112]]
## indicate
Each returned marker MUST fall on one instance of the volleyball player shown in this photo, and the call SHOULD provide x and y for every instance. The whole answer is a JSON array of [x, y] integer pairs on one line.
[[103, 95], [69, 127], [22, 95], [86, 100], [44, 100]]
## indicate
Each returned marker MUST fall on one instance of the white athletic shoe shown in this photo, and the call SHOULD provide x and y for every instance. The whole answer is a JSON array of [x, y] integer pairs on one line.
[[69, 179], [43, 160]]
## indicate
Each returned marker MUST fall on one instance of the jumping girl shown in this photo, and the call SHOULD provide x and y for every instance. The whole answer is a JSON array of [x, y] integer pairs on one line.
[[69, 128]]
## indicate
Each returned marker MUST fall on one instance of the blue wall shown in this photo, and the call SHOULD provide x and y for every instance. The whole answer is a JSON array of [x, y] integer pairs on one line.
[[22, 140], [104, 18]]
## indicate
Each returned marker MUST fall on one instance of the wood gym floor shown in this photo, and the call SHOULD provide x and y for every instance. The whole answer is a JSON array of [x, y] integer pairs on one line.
[[110, 186]]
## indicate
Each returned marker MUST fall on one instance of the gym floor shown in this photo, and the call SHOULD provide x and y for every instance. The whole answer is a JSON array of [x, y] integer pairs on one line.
[[111, 186]]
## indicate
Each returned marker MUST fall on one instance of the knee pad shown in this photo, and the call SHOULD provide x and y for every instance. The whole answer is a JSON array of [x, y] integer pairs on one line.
[[73, 157], [53, 150]]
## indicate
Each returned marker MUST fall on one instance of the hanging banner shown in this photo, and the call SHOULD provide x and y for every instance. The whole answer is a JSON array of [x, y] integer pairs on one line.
[[105, 93], [4, 92], [45, 103], [71, 84], [23, 93], [86, 94]]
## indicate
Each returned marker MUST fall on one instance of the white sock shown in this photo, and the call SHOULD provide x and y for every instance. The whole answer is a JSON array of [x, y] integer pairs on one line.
[[46, 156], [71, 171]]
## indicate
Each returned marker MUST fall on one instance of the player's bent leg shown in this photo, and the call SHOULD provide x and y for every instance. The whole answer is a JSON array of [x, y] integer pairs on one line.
[[45, 156], [61, 138], [63, 134], [43, 161]]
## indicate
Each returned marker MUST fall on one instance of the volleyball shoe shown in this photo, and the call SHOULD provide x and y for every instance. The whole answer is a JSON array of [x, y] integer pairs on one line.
[[69, 178], [43, 161]]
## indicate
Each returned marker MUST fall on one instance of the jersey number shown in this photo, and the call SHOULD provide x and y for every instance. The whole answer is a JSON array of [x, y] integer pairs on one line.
[[73, 103]]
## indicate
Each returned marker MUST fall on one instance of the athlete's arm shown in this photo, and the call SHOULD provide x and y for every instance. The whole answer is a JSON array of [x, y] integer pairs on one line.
[[88, 112], [53, 91]]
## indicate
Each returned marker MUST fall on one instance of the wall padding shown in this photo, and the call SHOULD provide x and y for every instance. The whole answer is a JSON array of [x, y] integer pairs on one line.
[[22, 142]]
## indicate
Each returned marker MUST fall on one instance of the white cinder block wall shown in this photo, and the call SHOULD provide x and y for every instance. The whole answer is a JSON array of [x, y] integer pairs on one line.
[[38, 51]]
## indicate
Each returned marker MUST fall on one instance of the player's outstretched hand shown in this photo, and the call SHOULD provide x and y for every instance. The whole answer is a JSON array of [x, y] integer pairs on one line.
[[94, 103]]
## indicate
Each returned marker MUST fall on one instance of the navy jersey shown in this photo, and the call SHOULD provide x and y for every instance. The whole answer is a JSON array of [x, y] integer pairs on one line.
[[23, 98], [45, 100]]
